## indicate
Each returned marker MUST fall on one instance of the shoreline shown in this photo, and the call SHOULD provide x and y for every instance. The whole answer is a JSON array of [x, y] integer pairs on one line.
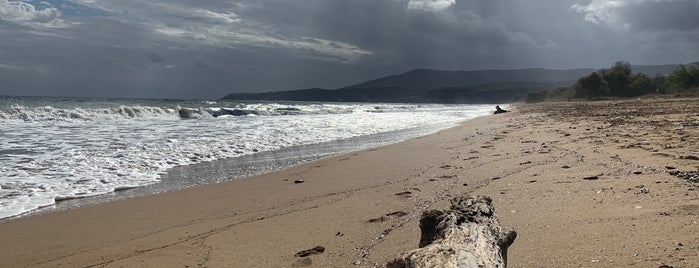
[[151, 216], [242, 167], [364, 207], [91, 148]]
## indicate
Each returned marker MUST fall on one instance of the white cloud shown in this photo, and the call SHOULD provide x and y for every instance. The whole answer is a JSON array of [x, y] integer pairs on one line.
[[431, 5], [220, 25], [227, 17], [598, 11], [27, 14], [13, 67], [611, 12], [224, 37], [21, 68]]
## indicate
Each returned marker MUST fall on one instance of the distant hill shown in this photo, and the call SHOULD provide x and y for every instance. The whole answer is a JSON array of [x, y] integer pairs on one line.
[[425, 85], [655, 69], [433, 79]]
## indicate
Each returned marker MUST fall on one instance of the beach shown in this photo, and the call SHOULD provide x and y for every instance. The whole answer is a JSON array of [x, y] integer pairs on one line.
[[584, 184]]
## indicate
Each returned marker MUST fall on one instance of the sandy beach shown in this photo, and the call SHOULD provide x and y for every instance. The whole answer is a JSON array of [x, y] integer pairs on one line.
[[584, 184]]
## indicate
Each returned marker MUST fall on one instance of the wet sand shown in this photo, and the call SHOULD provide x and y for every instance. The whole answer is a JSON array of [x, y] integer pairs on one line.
[[593, 184]]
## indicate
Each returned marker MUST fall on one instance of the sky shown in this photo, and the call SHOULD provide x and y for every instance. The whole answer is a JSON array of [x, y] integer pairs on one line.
[[208, 48]]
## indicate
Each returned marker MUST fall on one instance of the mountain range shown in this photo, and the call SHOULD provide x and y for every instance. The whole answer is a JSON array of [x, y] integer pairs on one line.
[[434, 86]]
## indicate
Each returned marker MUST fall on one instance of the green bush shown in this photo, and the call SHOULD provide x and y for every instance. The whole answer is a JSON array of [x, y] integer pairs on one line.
[[619, 81], [683, 78]]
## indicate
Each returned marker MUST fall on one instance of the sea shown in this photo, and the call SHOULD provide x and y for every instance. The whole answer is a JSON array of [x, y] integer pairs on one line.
[[79, 151]]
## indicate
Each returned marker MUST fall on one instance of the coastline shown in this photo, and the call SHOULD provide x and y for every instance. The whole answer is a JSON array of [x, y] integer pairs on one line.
[[364, 207], [70, 153], [229, 169]]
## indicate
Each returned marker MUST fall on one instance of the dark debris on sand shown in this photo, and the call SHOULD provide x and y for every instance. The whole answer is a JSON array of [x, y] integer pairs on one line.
[[308, 252]]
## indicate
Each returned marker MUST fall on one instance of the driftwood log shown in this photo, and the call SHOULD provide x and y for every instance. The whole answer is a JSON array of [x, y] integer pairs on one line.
[[466, 235]]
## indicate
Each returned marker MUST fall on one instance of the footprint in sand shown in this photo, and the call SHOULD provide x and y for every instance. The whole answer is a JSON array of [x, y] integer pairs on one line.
[[302, 262], [691, 209]]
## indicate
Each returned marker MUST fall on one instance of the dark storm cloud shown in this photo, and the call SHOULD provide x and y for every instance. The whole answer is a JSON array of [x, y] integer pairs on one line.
[[208, 48], [663, 16], [438, 35], [644, 15], [654, 30], [155, 57]]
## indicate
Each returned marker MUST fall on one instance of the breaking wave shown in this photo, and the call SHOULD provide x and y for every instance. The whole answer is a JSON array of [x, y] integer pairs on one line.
[[55, 149], [49, 113]]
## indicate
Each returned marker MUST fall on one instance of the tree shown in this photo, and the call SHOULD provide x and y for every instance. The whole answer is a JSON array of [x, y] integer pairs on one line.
[[618, 79], [641, 84], [659, 83], [682, 78], [591, 86]]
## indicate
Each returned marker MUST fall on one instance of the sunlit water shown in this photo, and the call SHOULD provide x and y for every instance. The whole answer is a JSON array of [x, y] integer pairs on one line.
[[57, 149]]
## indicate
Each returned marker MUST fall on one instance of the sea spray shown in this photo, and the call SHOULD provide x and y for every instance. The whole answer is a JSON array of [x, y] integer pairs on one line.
[[60, 149]]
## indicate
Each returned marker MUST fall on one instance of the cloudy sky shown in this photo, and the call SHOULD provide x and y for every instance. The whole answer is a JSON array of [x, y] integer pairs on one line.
[[207, 48]]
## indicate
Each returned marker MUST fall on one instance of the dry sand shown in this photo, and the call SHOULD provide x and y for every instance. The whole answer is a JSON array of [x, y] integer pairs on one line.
[[363, 208]]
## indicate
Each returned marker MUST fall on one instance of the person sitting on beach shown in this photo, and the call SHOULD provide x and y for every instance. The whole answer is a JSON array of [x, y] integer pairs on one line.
[[499, 110]]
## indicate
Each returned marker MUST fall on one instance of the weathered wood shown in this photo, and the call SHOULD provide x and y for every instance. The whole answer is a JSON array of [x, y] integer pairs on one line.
[[468, 234]]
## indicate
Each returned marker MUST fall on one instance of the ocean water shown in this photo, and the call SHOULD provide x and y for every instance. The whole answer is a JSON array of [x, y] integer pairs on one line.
[[57, 149]]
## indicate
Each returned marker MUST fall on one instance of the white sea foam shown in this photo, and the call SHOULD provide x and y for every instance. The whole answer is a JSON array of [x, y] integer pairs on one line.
[[72, 149]]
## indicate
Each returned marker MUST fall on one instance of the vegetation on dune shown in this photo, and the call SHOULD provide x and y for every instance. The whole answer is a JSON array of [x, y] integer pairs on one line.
[[619, 82], [683, 78]]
